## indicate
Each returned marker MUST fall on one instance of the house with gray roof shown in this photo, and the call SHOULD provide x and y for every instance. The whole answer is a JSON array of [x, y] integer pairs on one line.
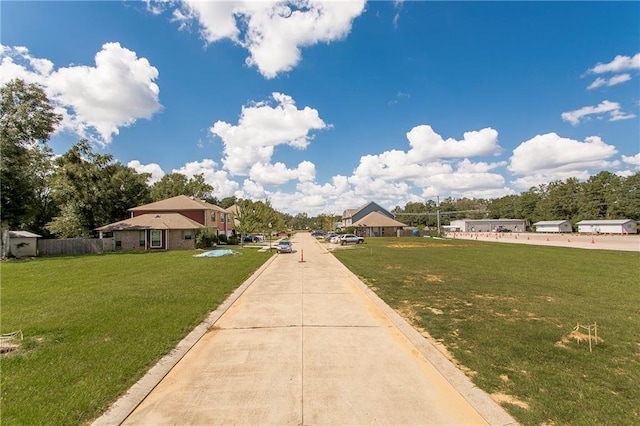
[[351, 216]]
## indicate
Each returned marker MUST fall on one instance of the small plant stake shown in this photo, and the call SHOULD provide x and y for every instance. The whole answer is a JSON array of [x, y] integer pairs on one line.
[[589, 328]]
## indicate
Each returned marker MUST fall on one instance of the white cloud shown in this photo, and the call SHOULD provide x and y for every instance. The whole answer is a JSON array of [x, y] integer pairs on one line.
[[93, 100], [549, 157], [252, 190], [427, 147], [223, 186], [427, 144], [153, 168], [633, 160], [617, 79], [625, 173], [605, 107], [618, 64], [272, 31], [261, 127], [18, 63], [279, 174]]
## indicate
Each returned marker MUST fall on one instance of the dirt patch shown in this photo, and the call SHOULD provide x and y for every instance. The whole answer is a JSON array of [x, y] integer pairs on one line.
[[579, 337], [430, 278], [494, 297], [422, 245], [501, 398]]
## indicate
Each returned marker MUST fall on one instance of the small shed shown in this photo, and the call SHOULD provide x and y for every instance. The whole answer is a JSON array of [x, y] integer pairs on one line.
[[23, 243], [557, 226], [601, 226]]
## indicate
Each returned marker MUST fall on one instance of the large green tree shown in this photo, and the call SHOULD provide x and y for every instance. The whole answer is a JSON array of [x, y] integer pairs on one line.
[[27, 120], [174, 184], [93, 190]]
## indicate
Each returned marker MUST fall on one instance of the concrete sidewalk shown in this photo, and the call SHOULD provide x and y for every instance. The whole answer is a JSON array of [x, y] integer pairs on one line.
[[307, 343]]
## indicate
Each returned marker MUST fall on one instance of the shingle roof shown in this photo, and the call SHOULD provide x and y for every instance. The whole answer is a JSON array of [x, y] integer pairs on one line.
[[349, 213], [376, 219], [152, 221], [180, 202]]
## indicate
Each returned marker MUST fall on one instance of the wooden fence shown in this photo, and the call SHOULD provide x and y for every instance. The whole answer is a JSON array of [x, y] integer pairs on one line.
[[75, 246]]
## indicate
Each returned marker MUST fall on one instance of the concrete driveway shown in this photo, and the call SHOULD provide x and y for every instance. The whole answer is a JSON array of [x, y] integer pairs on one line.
[[306, 343]]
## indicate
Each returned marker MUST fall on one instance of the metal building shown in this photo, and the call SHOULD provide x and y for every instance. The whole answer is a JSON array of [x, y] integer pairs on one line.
[[559, 226]]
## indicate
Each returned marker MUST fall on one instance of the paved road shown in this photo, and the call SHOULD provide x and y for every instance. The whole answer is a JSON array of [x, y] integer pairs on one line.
[[306, 343]]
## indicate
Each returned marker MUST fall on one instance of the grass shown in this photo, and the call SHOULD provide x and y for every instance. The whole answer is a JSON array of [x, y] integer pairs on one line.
[[505, 312], [93, 325]]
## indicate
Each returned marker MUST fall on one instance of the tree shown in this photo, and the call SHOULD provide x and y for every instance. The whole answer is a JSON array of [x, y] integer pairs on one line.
[[174, 184], [92, 190], [257, 217], [600, 194], [627, 205], [27, 120]]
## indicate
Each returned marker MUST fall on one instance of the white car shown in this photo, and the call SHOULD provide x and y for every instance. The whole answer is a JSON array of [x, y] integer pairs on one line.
[[335, 239]]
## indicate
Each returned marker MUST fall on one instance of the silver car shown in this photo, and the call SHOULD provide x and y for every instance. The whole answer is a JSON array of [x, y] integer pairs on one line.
[[284, 247], [350, 238]]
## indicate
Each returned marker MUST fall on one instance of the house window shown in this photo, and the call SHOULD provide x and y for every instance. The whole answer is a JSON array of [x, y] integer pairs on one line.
[[187, 235], [143, 238], [213, 216], [118, 238], [156, 238]]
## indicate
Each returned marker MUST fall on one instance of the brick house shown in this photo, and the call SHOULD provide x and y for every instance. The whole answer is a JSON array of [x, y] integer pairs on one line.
[[168, 224], [371, 220]]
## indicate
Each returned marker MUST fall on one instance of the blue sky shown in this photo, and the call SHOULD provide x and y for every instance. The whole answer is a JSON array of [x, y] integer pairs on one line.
[[323, 106]]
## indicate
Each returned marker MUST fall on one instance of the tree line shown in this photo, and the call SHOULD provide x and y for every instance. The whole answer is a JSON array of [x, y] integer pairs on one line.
[[602, 196], [72, 194]]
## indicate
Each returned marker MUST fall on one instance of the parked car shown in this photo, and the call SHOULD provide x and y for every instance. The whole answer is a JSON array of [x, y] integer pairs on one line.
[[251, 239], [284, 246], [335, 239], [350, 238], [317, 234], [329, 236], [502, 229]]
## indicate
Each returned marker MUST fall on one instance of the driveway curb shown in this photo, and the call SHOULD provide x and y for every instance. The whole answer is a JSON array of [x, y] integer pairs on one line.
[[127, 403], [490, 410]]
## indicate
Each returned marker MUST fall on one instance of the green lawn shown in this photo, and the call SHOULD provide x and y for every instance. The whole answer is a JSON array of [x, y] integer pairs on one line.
[[505, 310], [93, 325]]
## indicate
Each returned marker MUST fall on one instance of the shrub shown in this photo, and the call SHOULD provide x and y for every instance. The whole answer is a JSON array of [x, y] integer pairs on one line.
[[206, 238], [233, 241]]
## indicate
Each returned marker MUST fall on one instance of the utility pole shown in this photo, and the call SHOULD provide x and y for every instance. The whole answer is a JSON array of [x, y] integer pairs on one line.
[[438, 212]]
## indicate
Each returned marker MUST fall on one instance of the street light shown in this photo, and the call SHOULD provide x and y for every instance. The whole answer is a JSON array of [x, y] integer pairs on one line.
[[269, 236]]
